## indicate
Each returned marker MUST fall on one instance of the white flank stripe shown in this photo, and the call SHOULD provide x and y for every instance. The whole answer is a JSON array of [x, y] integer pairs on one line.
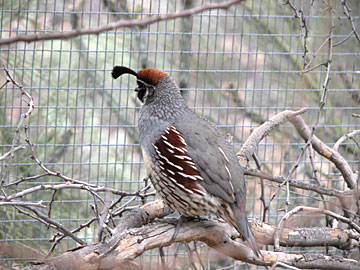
[[180, 185], [176, 166], [182, 149], [187, 176], [222, 152], [175, 130], [170, 171], [193, 166], [228, 172], [190, 162], [164, 137], [182, 140], [169, 144]]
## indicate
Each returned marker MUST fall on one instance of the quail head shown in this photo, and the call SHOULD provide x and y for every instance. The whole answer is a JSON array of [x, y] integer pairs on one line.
[[190, 163]]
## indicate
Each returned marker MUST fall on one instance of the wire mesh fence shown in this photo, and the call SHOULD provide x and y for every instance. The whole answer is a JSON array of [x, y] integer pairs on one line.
[[236, 67]]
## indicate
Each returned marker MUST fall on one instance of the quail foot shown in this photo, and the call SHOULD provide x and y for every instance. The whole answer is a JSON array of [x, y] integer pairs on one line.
[[190, 162]]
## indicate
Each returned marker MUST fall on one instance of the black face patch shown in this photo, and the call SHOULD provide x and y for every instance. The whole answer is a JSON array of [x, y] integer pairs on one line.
[[141, 93], [144, 91]]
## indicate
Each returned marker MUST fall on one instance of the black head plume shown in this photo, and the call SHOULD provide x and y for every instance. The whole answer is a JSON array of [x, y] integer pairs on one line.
[[120, 70]]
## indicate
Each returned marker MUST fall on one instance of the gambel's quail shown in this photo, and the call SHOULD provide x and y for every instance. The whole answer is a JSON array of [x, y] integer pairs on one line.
[[190, 163]]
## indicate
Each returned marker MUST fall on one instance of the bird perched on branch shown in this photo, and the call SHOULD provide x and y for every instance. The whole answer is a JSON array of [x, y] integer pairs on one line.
[[190, 163]]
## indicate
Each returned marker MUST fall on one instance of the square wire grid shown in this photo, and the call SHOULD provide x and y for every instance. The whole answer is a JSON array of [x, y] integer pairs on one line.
[[236, 67]]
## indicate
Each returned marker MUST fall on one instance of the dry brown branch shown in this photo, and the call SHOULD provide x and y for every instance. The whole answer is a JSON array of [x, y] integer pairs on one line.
[[259, 133], [347, 12], [6, 155], [322, 100], [135, 239], [23, 116], [306, 68], [119, 24], [38, 215], [345, 39], [310, 210], [295, 183], [93, 189], [299, 14], [266, 206], [344, 138], [20, 203], [324, 150], [59, 236]]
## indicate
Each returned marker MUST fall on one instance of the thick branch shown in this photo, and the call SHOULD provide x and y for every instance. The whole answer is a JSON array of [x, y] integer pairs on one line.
[[325, 151], [119, 24], [132, 240], [249, 147]]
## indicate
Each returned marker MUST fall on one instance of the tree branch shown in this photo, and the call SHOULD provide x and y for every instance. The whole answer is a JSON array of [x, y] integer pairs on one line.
[[119, 24], [259, 133], [324, 150], [134, 239]]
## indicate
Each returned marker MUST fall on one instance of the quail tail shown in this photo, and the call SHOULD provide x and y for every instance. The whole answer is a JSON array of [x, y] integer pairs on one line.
[[243, 227]]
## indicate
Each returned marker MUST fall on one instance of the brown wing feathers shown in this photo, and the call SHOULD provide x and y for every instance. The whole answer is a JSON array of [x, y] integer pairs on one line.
[[175, 162]]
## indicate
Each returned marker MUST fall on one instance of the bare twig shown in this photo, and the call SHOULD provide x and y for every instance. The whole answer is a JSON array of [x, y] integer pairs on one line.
[[344, 138], [47, 221], [23, 116], [317, 178], [262, 196], [345, 39], [347, 12], [306, 68], [295, 183], [314, 67], [322, 100], [9, 153], [299, 14], [119, 24], [61, 236], [18, 203], [102, 221], [57, 225], [92, 189]]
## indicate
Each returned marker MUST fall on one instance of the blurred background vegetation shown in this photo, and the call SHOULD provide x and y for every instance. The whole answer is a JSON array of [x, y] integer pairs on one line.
[[236, 67]]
